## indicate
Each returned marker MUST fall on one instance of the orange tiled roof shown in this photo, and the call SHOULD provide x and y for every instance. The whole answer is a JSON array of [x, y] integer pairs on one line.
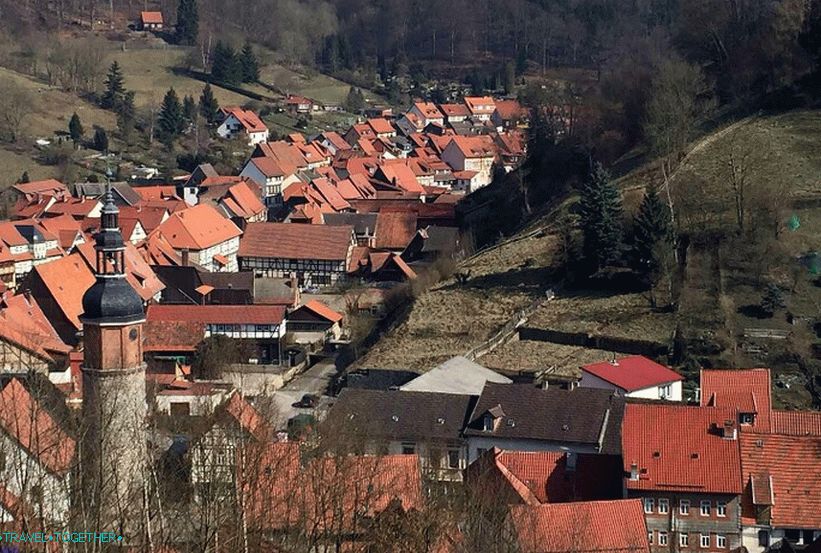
[[796, 423], [249, 120], [479, 105], [295, 241], [247, 417], [395, 229], [680, 448], [67, 280], [744, 390], [197, 228], [785, 472], [51, 187], [380, 125], [473, 147], [428, 109], [594, 526], [151, 18], [510, 109], [323, 310], [34, 428]]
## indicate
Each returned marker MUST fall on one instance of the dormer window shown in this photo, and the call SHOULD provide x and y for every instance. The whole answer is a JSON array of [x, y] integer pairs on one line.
[[487, 423], [746, 418]]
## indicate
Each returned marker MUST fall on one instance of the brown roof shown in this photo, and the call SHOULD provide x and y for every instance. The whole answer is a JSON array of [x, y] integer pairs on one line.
[[163, 335], [395, 229], [296, 241], [217, 314]]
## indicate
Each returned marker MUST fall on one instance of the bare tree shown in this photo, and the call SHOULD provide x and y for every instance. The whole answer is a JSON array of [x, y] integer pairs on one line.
[[15, 105]]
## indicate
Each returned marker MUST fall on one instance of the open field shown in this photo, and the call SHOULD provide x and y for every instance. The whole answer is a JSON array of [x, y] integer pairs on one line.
[[13, 165], [309, 83], [529, 356]]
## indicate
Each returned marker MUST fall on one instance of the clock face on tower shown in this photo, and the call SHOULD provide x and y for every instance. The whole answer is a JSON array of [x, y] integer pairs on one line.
[[132, 335]]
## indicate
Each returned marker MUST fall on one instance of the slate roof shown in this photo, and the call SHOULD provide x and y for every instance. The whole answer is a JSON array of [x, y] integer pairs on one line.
[[400, 415], [363, 223], [582, 416], [632, 373]]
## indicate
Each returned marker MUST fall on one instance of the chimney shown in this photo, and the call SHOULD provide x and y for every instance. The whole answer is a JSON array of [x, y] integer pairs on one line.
[[729, 430], [185, 259], [613, 360], [634, 471]]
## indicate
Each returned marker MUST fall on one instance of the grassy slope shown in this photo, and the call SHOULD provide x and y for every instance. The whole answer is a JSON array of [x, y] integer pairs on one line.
[[449, 320], [311, 84]]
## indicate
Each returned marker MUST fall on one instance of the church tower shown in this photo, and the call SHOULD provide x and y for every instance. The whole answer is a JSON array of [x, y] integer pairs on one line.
[[114, 403]]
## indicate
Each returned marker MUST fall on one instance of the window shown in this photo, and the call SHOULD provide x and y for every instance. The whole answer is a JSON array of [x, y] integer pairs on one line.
[[684, 507], [684, 539], [705, 508], [650, 537], [763, 538], [664, 506], [721, 541], [665, 391], [408, 448], [746, 418], [487, 423], [648, 505], [721, 508], [705, 540], [662, 538], [453, 458]]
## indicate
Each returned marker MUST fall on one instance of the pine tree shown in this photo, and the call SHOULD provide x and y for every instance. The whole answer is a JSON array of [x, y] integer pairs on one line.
[[601, 220], [126, 115], [100, 140], [114, 88], [772, 300], [170, 119], [187, 22], [355, 101], [189, 109], [249, 64], [209, 108], [653, 232], [75, 128], [225, 67]]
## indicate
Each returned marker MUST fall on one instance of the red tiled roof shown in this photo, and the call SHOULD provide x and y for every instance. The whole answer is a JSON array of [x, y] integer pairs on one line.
[[510, 109], [159, 192], [395, 229], [744, 390], [197, 228], [784, 471], [428, 109], [454, 110], [402, 176], [34, 428], [247, 417], [67, 280], [473, 147], [326, 492], [796, 423], [680, 448], [51, 187], [217, 314], [336, 140], [380, 125], [165, 335], [323, 310], [138, 273], [479, 105], [330, 193], [594, 526], [632, 373], [296, 241], [149, 217], [151, 18], [249, 120]]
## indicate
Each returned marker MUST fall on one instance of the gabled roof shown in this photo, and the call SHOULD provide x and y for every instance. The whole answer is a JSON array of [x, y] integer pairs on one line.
[[197, 228], [428, 110], [34, 429], [395, 229], [744, 390], [151, 18], [454, 110], [322, 310], [50, 187], [247, 417], [796, 423], [479, 105], [510, 109], [474, 147], [457, 375], [296, 241], [400, 175], [380, 125], [217, 314], [584, 416], [680, 448], [67, 280], [249, 120], [138, 273], [336, 140], [594, 526], [632, 373], [783, 472], [400, 415]]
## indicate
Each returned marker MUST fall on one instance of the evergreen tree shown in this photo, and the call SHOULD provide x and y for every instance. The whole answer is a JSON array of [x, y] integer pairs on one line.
[[189, 109], [24, 178], [601, 220], [249, 64], [100, 140], [187, 22], [225, 66], [772, 300], [126, 115], [209, 108], [171, 117], [114, 88], [75, 128], [355, 101], [652, 231], [521, 61], [509, 78]]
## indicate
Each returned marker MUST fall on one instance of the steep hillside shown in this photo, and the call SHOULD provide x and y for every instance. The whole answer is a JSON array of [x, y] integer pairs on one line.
[[724, 274]]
